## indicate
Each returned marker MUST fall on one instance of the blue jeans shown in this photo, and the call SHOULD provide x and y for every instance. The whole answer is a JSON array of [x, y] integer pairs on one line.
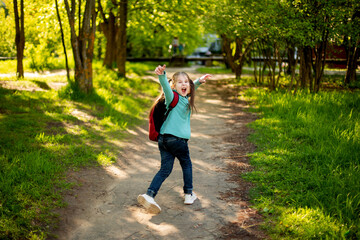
[[171, 147]]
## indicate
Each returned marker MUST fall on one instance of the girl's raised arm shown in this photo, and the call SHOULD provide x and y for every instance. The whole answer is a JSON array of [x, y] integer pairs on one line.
[[169, 95], [203, 78], [159, 70]]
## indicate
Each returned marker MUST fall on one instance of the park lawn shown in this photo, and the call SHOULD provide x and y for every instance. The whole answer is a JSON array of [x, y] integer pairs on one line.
[[214, 70], [307, 163], [45, 133], [9, 66]]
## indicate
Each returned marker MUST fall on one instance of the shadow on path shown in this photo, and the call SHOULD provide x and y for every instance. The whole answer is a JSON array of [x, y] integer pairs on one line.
[[105, 206]]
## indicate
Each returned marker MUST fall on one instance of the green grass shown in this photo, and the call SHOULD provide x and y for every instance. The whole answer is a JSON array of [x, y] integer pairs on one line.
[[221, 69], [9, 66], [214, 70], [141, 68], [307, 163], [45, 133]]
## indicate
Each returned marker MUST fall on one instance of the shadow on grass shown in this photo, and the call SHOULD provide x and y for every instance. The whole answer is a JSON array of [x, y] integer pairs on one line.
[[42, 136], [42, 85]]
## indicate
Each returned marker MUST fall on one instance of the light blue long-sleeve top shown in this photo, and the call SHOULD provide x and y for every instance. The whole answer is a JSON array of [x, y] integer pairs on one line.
[[178, 121]]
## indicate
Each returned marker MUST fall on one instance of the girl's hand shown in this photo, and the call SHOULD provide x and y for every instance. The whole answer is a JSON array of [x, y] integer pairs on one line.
[[203, 78], [159, 70]]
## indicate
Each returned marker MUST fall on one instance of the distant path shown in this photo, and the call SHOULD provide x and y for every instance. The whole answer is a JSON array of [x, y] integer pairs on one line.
[[105, 206]]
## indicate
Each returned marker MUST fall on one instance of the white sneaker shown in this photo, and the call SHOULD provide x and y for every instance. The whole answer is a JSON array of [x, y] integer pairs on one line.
[[190, 198], [149, 203]]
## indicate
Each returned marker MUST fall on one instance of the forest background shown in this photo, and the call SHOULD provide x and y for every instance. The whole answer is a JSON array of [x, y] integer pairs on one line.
[[92, 40], [273, 30]]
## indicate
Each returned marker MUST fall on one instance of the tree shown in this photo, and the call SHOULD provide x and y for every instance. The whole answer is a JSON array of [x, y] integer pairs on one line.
[[270, 27], [63, 40], [305, 24], [114, 28], [109, 27], [82, 43], [236, 50], [231, 21], [153, 24], [121, 38], [146, 28], [19, 37], [7, 30], [349, 30]]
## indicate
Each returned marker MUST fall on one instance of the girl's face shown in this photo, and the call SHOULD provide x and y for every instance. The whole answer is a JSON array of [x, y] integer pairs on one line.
[[182, 85]]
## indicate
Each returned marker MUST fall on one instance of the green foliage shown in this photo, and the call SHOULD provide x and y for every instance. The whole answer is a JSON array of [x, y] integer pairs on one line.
[[43, 42], [245, 19], [7, 34], [45, 133], [307, 164], [8, 66], [152, 26]]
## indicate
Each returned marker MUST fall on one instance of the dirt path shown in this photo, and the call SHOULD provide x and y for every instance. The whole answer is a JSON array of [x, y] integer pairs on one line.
[[105, 206]]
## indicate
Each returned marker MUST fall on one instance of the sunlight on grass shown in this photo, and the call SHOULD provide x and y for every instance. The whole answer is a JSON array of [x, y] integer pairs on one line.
[[44, 133], [307, 159], [214, 70], [52, 63], [105, 159], [50, 139], [8, 66], [308, 223]]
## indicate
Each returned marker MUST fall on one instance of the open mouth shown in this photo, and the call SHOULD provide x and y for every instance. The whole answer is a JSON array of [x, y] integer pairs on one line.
[[183, 90]]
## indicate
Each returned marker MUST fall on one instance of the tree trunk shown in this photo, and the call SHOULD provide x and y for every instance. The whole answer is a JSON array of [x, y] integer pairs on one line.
[[121, 37], [291, 58], [351, 57], [236, 61], [228, 52], [270, 62], [263, 71], [238, 72], [305, 66], [19, 37], [110, 30], [280, 61], [272, 66], [293, 69], [261, 65], [320, 56], [255, 71], [99, 50], [83, 45], [63, 40]]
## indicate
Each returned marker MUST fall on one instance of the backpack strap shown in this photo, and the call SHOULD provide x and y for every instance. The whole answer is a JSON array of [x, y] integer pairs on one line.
[[172, 104], [175, 100]]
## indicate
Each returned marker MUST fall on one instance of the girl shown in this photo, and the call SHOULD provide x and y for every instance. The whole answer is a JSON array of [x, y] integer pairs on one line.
[[174, 134]]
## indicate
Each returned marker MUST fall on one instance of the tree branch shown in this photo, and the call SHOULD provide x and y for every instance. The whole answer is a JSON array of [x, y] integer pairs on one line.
[[102, 12]]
